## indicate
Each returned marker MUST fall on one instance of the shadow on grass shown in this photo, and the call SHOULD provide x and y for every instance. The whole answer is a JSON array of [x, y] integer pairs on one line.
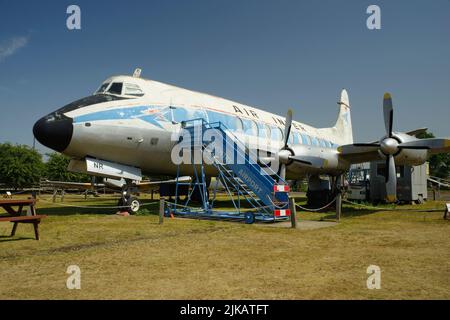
[[10, 238], [73, 209], [351, 213]]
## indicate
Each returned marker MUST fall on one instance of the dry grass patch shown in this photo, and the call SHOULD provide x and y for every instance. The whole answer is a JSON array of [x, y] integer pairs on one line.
[[136, 258]]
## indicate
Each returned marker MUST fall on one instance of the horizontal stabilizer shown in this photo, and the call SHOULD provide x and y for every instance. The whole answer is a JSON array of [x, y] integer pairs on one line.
[[416, 132]]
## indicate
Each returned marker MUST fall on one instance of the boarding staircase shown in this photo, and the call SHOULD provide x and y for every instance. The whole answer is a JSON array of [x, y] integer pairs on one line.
[[242, 176]]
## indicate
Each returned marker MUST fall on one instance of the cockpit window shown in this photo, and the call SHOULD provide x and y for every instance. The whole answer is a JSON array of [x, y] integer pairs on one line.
[[116, 88], [102, 88], [132, 89]]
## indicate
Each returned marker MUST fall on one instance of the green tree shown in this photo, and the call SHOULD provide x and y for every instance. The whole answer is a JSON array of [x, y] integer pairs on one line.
[[56, 169], [20, 166], [439, 163]]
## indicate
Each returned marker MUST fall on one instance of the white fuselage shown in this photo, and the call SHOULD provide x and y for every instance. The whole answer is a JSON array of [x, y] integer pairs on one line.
[[137, 131]]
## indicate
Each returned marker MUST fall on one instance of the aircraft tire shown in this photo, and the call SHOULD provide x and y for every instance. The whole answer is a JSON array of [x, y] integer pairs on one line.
[[134, 204]]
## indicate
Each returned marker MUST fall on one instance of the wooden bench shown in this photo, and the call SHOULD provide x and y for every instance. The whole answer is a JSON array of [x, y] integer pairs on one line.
[[14, 216], [35, 220]]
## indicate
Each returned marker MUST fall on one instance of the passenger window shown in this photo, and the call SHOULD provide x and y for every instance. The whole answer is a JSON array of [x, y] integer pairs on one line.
[[116, 88], [239, 125], [281, 134], [306, 140], [291, 138], [268, 131], [277, 134], [250, 127], [262, 130], [322, 143], [297, 138], [314, 141]]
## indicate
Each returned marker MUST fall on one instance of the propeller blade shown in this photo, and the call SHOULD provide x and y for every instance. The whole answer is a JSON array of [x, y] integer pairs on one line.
[[435, 145], [415, 147], [391, 180], [287, 128], [388, 112], [282, 170]]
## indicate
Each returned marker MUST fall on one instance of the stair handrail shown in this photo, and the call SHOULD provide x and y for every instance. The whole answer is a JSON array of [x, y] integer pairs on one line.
[[227, 131]]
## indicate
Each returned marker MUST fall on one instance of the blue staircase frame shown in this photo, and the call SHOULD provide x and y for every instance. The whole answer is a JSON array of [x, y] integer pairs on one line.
[[250, 182]]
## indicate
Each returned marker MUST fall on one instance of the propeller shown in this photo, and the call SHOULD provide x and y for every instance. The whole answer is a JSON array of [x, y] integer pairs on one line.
[[390, 146], [284, 153]]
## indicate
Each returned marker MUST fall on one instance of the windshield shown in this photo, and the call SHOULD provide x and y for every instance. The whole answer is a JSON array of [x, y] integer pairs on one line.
[[120, 89], [132, 89], [116, 88], [102, 88]]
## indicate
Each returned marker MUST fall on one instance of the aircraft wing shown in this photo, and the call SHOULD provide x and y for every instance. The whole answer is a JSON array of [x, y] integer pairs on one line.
[[358, 153], [363, 152]]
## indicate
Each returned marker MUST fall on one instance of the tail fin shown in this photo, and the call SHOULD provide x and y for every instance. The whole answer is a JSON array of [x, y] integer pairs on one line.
[[343, 126]]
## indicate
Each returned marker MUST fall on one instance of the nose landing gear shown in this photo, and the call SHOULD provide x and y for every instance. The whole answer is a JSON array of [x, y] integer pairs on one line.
[[128, 203]]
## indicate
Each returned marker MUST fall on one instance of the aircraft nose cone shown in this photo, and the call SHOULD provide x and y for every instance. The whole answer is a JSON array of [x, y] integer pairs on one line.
[[54, 131]]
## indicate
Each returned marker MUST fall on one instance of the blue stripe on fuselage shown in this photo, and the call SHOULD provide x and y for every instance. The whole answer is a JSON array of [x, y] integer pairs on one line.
[[120, 114]]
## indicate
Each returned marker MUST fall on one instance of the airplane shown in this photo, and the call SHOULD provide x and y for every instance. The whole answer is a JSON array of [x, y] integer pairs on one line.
[[125, 129]]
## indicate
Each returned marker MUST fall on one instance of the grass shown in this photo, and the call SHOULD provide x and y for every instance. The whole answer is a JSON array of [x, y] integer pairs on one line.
[[136, 258]]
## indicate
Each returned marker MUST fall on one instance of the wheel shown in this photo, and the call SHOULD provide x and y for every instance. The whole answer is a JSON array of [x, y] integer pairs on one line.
[[134, 204], [249, 218]]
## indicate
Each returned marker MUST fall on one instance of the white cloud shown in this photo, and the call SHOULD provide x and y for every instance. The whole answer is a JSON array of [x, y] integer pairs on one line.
[[10, 47]]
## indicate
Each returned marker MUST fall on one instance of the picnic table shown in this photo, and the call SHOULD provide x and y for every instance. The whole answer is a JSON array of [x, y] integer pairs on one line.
[[15, 215]]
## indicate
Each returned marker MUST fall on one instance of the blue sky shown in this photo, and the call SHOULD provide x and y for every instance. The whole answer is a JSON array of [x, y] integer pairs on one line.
[[268, 54]]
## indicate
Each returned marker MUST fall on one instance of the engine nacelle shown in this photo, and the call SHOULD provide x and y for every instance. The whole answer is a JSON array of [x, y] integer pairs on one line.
[[408, 156]]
